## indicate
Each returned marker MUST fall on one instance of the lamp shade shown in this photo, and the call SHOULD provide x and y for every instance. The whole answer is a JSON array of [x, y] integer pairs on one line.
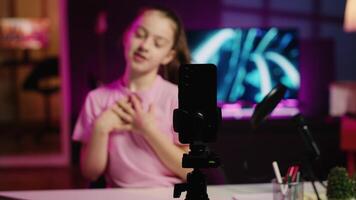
[[24, 33], [350, 16]]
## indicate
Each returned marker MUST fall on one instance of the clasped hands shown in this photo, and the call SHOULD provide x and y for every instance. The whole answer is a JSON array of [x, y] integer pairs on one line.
[[127, 115]]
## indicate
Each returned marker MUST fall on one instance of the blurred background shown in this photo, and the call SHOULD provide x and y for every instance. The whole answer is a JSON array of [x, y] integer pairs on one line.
[[53, 52]]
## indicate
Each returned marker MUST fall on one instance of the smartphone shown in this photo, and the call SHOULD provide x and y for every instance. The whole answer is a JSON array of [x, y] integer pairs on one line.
[[197, 117]]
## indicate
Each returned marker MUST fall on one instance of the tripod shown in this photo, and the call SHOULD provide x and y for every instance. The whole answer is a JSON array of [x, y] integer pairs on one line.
[[196, 187]]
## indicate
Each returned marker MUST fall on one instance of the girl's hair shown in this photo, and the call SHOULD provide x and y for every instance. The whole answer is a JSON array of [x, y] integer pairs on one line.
[[170, 71]]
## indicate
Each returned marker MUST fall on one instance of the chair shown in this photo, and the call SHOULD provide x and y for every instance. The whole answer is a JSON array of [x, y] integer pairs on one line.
[[44, 79], [215, 176], [99, 183]]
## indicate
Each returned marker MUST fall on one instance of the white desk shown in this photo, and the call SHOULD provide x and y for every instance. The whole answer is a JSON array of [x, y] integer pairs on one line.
[[239, 192]]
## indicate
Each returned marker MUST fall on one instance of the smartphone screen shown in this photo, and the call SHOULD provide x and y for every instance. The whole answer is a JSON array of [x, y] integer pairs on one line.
[[197, 100]]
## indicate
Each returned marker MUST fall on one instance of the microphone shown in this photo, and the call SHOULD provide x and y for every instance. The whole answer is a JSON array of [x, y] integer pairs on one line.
[[311, 146], [267, 105]]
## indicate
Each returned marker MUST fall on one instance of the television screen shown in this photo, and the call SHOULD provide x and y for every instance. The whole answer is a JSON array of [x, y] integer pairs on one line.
[[250, 61], [24, 33]]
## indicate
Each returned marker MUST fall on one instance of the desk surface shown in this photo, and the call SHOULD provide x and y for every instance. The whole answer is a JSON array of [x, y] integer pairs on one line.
[[228, 192]]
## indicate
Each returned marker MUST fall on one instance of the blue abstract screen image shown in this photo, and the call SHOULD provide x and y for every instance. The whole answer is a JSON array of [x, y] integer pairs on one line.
[[250, 61]]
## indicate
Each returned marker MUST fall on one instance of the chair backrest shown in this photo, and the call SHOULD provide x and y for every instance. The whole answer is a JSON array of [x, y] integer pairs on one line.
[[99, 183], [215, 176], [45, 69]]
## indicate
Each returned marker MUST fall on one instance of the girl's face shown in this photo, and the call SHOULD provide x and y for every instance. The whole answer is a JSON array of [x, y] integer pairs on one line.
[[148, 42]]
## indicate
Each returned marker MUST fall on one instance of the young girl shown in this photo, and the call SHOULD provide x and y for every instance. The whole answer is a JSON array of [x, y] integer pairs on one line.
[[126, 127]]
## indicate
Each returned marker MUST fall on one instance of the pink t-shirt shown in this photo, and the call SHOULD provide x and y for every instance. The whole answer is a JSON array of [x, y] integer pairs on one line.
[[132, 162]]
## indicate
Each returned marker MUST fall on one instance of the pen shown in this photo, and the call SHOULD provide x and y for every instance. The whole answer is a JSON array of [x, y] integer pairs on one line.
[[279, 177], [295, 173], [289, 181], [298, 177], [277, 172], [296, 190], [289, 173]]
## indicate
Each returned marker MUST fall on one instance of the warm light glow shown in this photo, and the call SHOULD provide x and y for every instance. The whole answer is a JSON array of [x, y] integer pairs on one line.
[[350, 16]]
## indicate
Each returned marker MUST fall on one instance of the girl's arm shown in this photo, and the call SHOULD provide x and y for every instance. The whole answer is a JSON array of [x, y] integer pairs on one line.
[[94, 153], [144, 123], [170, 154]]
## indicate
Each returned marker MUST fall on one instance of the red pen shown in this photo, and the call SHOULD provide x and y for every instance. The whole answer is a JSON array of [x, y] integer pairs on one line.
[[295, 173], [289, 173]]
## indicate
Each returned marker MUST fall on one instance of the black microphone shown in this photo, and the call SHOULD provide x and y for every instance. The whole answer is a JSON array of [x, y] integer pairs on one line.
[[311, 146], [267, 105]]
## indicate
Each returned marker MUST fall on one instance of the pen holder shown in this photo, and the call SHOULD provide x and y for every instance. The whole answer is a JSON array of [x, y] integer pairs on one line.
[[288, 191]]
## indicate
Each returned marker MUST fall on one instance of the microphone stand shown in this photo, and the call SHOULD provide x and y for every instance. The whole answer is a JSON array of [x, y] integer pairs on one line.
[[312, 153], [309, 174]]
